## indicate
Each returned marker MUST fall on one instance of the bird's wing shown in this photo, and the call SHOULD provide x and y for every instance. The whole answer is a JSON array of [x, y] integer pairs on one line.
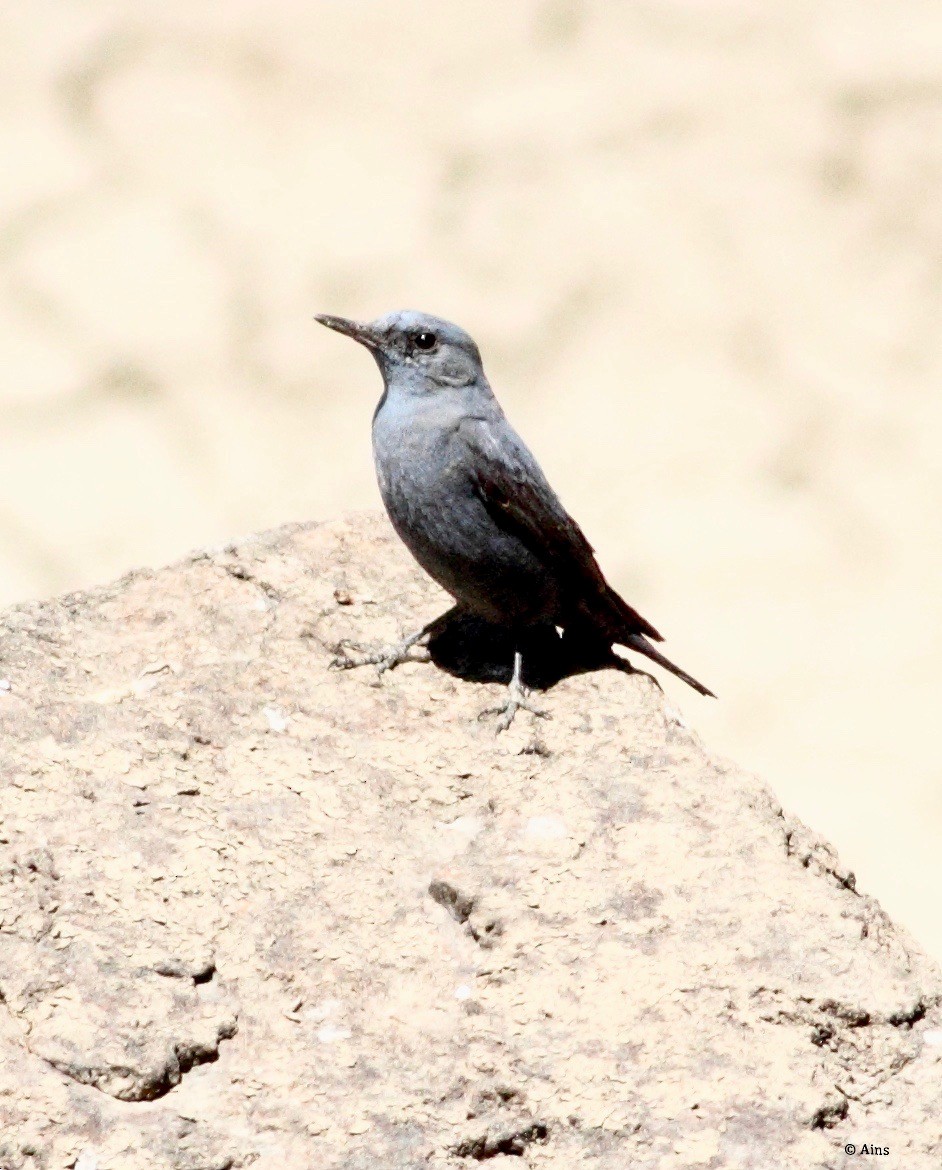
[[519, 498]]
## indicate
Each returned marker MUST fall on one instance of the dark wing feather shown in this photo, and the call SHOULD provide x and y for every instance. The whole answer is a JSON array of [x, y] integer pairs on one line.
[[519, 498]]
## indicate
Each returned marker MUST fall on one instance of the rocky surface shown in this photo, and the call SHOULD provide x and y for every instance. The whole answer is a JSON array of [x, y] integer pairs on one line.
[[697, 241], [257, 912]]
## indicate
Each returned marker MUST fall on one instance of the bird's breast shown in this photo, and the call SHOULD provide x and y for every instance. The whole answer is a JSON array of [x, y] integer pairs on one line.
[[423, 484], [427, 481]]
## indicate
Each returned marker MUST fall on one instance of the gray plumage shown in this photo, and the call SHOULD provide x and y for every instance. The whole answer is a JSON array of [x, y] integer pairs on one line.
[[470, 501]]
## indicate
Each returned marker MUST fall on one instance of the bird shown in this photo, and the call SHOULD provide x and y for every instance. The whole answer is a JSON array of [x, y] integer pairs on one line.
[[470, 502]]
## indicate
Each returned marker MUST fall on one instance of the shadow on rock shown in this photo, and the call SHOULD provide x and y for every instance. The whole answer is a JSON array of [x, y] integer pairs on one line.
[[476, 650]]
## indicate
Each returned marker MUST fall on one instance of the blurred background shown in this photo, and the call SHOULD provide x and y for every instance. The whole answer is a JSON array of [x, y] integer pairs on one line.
[[698, 241]]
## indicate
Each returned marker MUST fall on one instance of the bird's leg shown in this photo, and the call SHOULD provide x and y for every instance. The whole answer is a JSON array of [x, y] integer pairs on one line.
[[386, 659], [517, 700], [390, 657]]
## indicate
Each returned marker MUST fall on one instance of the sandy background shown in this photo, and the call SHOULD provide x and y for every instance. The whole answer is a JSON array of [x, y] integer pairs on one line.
[[699, 243]]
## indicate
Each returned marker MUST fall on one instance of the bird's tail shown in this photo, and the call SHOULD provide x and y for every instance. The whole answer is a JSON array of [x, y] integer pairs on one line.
[[640, 643]]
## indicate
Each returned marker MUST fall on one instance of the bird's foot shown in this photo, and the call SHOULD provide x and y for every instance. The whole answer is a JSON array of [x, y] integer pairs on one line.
[[349, 656], [517, 700]]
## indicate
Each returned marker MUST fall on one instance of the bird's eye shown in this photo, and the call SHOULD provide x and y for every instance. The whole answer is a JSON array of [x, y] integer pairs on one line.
[[425, 341]]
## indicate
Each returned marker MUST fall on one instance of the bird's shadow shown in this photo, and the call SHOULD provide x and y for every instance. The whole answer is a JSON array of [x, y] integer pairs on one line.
[[476, 650]]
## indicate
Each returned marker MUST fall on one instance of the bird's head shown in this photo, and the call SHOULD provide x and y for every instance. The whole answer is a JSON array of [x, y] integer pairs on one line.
[[416, 352]]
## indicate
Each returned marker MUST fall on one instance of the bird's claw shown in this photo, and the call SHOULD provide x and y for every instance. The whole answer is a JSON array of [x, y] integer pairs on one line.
[[383, 660], [517, 700], [343, 659]]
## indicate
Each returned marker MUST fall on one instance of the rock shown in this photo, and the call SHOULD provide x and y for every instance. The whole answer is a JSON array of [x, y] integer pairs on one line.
[[257, 912]]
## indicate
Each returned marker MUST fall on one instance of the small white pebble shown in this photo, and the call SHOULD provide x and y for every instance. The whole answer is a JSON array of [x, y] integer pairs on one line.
[[329, 1034], [933, 1037], [462, 991], [276, 721], [86, 1161], [5, 684], [467, 826], [545, 828]]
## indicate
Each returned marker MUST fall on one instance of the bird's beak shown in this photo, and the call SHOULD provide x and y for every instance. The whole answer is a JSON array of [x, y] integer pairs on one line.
[[362, 332]]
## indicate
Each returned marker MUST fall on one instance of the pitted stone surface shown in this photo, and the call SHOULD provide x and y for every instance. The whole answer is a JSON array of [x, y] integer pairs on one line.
[[257, 912]]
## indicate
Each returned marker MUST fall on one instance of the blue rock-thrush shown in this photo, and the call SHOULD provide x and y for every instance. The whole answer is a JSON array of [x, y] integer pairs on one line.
[[470, 502]]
